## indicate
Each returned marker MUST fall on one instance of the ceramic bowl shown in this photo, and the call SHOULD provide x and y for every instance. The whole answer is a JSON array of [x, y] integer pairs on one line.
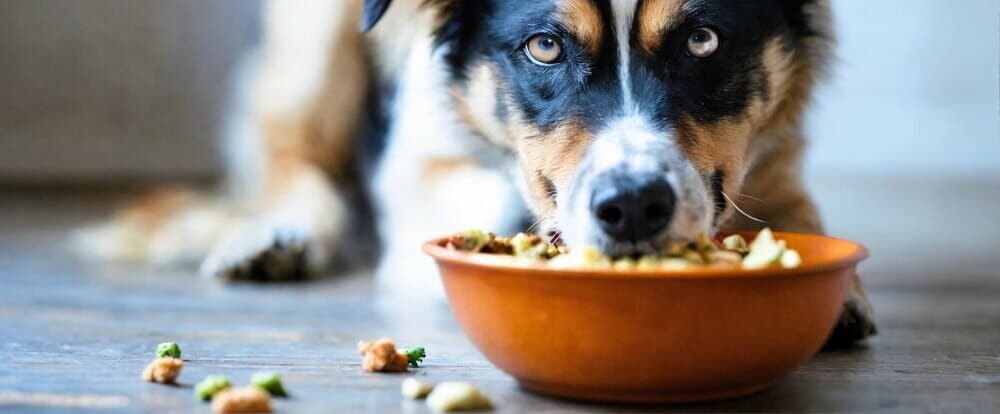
[[649, 336]]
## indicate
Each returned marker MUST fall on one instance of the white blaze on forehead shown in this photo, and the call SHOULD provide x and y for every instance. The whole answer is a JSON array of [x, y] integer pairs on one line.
[[627, 142], [624, 13]]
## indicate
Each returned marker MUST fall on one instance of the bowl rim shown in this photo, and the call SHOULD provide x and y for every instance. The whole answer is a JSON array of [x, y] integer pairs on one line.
[[436, 249]]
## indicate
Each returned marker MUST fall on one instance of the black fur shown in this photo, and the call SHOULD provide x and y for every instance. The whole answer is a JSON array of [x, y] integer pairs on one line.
[[374, 9], [667, 85]]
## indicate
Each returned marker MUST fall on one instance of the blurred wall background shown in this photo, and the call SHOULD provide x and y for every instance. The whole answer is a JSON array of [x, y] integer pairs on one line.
[[916, 91], [103, 90], [107, 90]]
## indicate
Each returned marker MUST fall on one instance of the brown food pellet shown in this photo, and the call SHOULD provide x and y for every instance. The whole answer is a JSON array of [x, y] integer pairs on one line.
[[381, 356], [246, 399], [164, 370]]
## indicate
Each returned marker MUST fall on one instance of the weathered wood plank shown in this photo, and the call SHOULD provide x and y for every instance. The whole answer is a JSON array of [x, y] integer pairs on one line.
[[75, 336]]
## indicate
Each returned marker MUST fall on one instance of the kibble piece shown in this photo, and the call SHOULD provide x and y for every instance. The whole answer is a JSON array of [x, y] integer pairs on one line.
[[246, 399], [457, 396], [168, 349], [163, 370], [736, 243], [470, 240], [416, 389], [381, 356], [583, 256], [648, 262], [270, 382], [625, 263], [210, 386], [725, 258], [675, 263], [693, 256]]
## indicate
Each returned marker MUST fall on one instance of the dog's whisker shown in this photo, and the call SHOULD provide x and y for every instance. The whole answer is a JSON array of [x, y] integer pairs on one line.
[[741, 195], [537, 223], [744, 213]]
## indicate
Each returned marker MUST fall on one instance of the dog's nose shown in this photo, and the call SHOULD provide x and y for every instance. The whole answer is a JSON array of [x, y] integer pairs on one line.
[[632, 208]]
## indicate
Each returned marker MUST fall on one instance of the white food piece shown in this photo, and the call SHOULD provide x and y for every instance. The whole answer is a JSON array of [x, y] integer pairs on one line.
[[625, 263], [674, 263], [416, 389], [456, 396], [583, 256], [735, 242], [648, 262], [790, 259], [764, 251]]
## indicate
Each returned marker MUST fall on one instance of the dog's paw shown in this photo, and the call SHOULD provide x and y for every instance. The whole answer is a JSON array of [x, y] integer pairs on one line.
[[856, 323], [266, 255]]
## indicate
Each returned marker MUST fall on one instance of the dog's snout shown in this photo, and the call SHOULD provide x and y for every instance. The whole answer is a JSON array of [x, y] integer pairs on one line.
[[633, 208]]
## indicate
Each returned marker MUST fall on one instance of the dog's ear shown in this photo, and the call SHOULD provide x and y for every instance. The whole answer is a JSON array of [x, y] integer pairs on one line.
[[374, 9]]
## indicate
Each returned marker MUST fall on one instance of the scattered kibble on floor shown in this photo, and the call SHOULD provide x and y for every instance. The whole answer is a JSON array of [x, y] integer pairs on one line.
[[457, 396], [381, 356], [416, 389], [415, 355], [163, 370], [168, 349], [210, 386], [246, 399], [270, 382]]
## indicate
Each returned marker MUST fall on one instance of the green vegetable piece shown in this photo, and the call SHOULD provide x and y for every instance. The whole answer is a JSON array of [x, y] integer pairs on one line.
[[168, 349], [414, 355], [210, 386], [270, 382], [475, 239]]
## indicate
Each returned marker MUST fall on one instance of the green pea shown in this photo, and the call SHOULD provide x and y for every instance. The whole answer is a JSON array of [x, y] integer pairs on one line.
[[168, 349], [210, 386], [270, 382]]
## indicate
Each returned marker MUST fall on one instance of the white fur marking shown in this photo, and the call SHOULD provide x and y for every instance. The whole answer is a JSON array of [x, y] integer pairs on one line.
[[624, 12], [299, 36]]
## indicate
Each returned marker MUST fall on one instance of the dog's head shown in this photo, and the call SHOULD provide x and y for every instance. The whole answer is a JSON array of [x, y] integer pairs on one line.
[[632, 120]]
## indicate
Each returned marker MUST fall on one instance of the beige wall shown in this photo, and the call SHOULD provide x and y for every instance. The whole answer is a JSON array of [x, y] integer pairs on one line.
[[102, 89]]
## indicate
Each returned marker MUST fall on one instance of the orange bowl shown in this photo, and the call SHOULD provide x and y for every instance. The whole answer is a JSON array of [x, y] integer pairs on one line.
[[649, 336]]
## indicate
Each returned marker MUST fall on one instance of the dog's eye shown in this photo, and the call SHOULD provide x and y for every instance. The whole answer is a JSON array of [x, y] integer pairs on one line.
[[543, 49], [703, 42]]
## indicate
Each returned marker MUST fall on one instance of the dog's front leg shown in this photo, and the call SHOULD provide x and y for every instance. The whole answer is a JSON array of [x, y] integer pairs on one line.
[[441, 195], [291, 237], [787, 207], [309, 92]]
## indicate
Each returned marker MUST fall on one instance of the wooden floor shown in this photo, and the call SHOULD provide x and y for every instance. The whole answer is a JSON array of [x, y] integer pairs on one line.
[[74, 337]]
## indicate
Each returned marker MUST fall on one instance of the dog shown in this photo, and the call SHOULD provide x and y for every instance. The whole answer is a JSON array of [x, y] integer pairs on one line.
[[621, 124]]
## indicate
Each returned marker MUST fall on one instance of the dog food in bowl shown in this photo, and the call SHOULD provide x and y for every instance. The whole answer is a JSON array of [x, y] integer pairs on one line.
[[732, 252]]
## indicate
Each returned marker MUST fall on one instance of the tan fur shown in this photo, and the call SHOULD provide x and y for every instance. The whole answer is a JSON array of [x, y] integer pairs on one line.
[[317, 135], [553, 157], [584, 20], [476, 105], [436, 168], [170, 225], [654, 18]]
